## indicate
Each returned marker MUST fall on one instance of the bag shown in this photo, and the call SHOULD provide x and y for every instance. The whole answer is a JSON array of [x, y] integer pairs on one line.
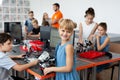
[[91, 54]]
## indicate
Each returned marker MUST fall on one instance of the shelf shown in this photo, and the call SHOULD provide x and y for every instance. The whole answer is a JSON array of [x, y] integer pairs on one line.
[[14, 10]]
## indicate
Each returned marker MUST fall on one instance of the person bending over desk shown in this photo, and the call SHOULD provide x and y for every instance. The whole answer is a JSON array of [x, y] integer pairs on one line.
[[87, 27], [35, 33], [6, 62]]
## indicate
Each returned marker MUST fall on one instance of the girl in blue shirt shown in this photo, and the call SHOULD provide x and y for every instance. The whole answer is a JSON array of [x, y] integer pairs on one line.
[[65, 58], [102, 39], [102, 44]]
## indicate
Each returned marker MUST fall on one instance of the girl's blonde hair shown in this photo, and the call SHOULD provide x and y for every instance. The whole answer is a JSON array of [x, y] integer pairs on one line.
[[67, 24], [35, 21]]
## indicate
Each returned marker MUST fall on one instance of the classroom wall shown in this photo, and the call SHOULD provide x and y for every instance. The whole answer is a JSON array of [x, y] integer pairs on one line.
[[106, 10]]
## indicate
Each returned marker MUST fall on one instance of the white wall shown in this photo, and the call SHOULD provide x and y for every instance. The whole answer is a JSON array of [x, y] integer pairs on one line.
[[106, 10]]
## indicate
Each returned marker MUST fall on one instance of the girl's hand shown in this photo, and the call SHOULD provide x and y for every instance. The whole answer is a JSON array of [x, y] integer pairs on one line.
[[80, 41], [47, 70], [91, 37], [97, 36]]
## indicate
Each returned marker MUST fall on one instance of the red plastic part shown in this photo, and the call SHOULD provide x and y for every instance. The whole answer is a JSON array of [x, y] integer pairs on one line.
[[91, 54], [35, 46]]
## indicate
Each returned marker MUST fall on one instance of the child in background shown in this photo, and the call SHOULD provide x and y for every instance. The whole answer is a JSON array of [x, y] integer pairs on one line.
[[6, 63], [102, 39], [35, 33], [87, 27], [28, 22], [46, 21], [65, 58], [102, 44]]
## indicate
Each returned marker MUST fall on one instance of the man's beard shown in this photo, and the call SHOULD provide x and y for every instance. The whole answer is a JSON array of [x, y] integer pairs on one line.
[[55, 10]]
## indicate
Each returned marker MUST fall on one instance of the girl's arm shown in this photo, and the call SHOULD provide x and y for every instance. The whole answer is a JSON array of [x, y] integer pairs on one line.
[[80, 33], [93, 31], [100, 47], [69, 62]]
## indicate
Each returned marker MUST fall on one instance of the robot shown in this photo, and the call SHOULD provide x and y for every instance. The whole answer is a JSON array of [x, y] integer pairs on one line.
[[46, 60], [86, 46]]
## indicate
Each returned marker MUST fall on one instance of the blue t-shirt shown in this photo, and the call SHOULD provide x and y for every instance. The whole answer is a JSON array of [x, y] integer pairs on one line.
[[6, 63], [102, 39], [28, 24]]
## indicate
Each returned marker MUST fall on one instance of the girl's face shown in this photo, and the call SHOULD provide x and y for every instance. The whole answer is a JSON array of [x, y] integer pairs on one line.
[[101, 31], [65, 34], [7, 46], [45, 16], [89, 18], [35, 25]]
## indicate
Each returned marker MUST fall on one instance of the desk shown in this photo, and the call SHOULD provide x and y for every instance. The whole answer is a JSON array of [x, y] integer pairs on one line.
[[82, 63], [103, 60], [36, 71]]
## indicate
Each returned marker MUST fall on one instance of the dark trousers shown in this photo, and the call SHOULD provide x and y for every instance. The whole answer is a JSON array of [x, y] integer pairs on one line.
[[17, 78]]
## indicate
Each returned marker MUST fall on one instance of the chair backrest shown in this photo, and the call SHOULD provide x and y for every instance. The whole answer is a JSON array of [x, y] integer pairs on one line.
[[45, 32]]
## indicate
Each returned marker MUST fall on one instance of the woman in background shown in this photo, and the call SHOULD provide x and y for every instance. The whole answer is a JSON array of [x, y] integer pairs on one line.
[[46, 20]]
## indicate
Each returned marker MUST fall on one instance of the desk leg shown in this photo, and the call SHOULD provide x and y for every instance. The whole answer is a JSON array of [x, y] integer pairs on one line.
[[94, 73], [85, 74], [14, 73], [52, 78], [26, 75], [119, 70]]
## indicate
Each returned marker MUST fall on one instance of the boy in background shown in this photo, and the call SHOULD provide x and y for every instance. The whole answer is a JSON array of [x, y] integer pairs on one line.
[[35, 33], [28, 22]]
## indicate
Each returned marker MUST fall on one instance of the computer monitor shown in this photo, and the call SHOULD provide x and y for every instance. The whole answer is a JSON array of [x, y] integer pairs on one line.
[[15, 30], [45, 32], [55, 38]]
